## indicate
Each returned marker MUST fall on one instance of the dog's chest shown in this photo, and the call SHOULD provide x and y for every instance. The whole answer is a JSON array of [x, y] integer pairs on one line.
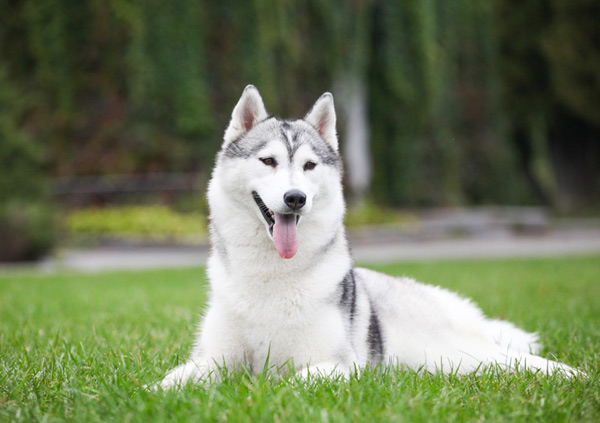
[[283, 322], [273, 307]]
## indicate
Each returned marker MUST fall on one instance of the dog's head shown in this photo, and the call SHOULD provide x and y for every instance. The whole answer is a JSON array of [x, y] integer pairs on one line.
[[283, 167]]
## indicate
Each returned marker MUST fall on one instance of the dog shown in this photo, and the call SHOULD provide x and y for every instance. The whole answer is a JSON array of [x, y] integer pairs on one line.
[[284, 293]]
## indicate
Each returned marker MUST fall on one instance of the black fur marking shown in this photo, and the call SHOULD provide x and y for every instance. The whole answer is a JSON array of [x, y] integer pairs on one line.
[[291, 148], [375, 339], [267, 214], [348, 298]]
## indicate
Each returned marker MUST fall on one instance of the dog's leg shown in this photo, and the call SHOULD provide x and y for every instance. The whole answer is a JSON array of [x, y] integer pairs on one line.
[[328, 369], [508, 336], [192, 371], [533, 363]]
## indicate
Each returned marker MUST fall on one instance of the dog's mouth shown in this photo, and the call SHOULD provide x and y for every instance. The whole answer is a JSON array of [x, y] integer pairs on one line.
[[282, 228]]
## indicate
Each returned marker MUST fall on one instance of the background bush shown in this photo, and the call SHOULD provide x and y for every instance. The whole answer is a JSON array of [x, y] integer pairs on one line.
[[27, 228]]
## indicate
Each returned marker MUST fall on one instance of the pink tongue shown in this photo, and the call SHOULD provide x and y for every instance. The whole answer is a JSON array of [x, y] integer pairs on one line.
[[284, 235]]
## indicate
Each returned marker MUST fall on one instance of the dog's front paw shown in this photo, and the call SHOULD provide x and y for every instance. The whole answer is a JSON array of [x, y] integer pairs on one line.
[[323, 370], [173, 380], [190, 372]]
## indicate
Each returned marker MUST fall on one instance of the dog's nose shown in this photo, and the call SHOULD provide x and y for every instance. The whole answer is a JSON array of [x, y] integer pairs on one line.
[[295, 199]]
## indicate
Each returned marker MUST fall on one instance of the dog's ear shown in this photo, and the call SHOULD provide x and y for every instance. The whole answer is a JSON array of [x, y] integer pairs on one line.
[[249, 111], [322, 118]]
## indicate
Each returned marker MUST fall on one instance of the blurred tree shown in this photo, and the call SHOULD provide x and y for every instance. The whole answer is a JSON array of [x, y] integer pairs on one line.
[[26, 217], [572, 49], [396, 107], [551, 75], [165, 90], [437, 135], [132, 86]]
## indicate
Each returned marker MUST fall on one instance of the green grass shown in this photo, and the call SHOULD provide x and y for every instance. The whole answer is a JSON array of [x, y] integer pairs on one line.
[[79, 348]]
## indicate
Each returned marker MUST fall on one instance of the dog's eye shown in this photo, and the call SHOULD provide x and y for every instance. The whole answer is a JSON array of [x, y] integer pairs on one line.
[[269, 161], [310, 165]]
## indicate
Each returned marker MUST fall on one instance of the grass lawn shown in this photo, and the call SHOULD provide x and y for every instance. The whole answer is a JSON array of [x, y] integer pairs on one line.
[[79, 348]]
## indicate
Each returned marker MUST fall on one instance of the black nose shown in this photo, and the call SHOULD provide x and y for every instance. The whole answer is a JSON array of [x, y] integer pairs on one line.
[[295, 199]]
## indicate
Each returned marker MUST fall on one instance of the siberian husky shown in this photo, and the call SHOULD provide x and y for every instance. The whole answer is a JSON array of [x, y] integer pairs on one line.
[[283, 288]]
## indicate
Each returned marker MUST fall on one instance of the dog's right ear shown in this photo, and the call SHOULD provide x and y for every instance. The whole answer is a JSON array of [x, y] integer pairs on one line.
[[322, 118], [249, 111]]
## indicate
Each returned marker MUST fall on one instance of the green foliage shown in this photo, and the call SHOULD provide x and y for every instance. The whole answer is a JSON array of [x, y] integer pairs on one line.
[[368, 213], [76, 347], [571, 48], [140, 221], [26, 218], [130, 86], [436, 132], [166, 82], [27, 229], [549, 70], [525, 75]]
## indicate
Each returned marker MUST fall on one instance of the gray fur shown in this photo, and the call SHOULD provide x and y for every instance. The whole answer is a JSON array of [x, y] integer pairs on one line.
[[243, 148], [292, 133]]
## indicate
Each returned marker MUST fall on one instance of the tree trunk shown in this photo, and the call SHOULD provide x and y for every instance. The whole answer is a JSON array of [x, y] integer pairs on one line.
[[521, 139], [574, 147], [357, 155]]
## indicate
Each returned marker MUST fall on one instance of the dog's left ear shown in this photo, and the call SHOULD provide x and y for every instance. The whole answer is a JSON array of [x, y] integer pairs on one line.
[[322, 118], [249, 111]]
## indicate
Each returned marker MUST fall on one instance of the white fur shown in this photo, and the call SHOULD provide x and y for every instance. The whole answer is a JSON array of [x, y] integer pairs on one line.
[[322, 117], [267, 311], [249, 111]]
